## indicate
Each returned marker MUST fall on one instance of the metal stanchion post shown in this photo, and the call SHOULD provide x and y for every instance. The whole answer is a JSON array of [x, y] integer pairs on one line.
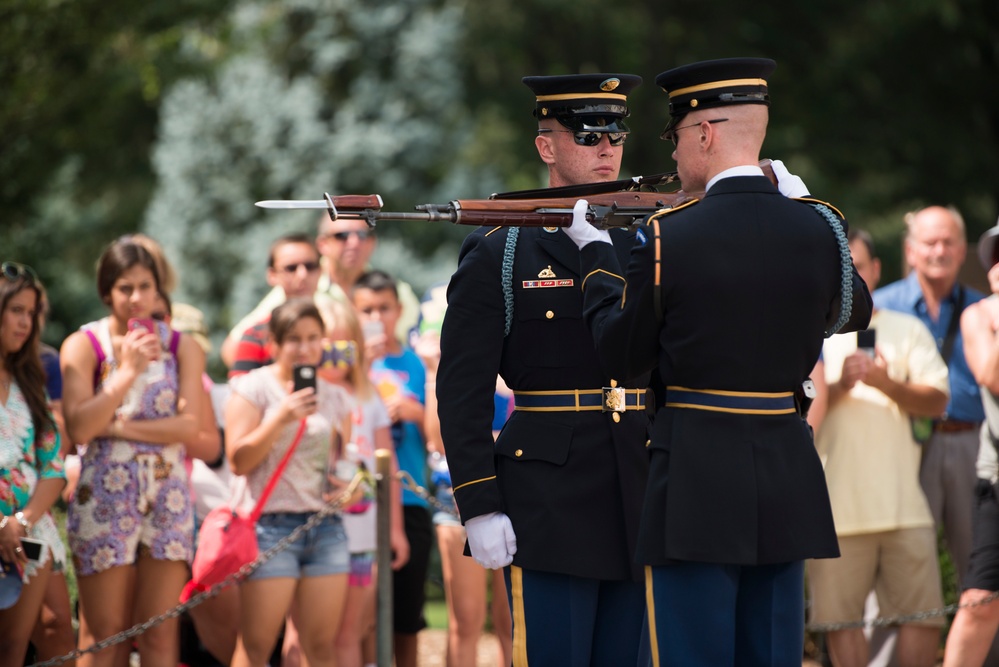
[[383, 498]]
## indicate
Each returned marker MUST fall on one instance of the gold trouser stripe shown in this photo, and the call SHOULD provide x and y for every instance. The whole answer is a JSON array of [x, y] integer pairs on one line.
[[474, 481], [717, 84], [519, 631], [650, 606]]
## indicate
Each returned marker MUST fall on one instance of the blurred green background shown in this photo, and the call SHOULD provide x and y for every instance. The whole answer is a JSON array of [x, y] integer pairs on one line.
[[173, 118]]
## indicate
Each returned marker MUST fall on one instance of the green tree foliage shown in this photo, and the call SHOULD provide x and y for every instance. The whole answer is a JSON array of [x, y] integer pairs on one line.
[[881, 106], [81, 84]]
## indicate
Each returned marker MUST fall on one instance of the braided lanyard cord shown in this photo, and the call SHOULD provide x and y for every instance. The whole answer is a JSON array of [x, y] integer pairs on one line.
[[846, 264], [506, 276]]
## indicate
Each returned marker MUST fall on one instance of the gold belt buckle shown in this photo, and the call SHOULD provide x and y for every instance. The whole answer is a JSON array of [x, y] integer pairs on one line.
[[614, 399]]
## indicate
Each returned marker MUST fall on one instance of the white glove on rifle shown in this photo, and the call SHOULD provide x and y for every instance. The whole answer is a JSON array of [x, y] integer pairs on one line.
[[582, 232], [491, 540], [788, 184]]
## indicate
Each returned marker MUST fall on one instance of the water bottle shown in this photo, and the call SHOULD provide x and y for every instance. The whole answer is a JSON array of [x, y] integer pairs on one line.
[[346, 469], [440, 476]]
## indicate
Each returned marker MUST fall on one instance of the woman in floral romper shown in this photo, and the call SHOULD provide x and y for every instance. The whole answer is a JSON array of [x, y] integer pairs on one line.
[[133, 394]]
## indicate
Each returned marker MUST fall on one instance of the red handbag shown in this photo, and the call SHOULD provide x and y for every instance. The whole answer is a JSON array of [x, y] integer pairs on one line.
[[228, 537]]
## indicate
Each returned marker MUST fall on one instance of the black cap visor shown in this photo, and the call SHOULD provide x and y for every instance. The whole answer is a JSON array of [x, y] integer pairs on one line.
[[592, 123]]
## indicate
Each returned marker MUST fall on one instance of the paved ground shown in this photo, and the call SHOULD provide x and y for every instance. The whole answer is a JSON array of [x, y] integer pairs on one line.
[[433, 645], [432, 648]]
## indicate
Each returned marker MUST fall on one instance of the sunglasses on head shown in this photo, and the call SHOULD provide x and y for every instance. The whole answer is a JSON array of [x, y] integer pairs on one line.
[[587, 138], [361, 234], [15, 271], [293, 268]]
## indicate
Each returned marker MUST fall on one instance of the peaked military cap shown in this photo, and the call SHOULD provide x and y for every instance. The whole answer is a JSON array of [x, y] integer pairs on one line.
[[715, 83], [584, 102]]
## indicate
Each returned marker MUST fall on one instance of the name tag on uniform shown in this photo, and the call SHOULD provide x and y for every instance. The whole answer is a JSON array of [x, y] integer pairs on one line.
[[560, 282]]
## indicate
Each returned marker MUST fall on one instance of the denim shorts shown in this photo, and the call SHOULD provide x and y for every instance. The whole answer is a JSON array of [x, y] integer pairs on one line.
[[449, 515], [318, 552]]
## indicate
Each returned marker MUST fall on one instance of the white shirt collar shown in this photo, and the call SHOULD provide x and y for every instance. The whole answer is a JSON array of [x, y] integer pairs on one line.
[[746, 170]]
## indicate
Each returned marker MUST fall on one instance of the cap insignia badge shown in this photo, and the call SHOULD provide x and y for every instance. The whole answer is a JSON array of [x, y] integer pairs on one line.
[[609, 85]]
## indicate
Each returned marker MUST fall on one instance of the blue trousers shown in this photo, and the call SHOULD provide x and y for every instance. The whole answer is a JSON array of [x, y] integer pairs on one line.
[[704, 614], [565, 621]]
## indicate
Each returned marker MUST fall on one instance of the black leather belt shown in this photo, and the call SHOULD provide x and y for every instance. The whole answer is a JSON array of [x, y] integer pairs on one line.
[[954, 426]]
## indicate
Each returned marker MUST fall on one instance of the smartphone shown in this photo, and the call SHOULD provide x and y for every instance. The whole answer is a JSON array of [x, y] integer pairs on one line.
[[140, 323], [865, 340], [303, 376], [372, 328], [338, 354], [32, 548]]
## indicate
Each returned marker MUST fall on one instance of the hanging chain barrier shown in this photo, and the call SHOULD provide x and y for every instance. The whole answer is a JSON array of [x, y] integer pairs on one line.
[[884, 622], [369, 479], [410, 485], [334, 506]]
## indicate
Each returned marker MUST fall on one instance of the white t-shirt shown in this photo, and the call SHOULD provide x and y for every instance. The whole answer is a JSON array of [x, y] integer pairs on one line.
[[865, 442], [366, 418], [301, 485]]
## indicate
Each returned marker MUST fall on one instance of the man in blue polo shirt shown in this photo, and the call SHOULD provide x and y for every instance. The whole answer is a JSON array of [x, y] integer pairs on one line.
[[935, 248]]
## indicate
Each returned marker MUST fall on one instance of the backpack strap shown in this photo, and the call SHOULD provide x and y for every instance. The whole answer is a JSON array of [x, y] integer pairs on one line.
[[99, 351], [174, 341]]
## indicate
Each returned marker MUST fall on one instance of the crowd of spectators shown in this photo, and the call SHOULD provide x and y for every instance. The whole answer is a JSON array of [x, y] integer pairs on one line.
[[126, 428], [150, 444]]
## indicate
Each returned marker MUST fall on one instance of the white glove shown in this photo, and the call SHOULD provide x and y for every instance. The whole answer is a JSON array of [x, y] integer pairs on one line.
[[491, 540], [582, 232], [788, 184]]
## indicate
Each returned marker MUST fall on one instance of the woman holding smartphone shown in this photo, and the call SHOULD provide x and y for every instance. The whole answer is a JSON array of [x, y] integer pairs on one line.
[[263, 415], [132, 390], [31, 472]]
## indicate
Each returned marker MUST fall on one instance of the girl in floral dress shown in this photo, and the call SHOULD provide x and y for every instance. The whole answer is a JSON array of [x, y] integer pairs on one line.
[[134, 394], [31, 473]]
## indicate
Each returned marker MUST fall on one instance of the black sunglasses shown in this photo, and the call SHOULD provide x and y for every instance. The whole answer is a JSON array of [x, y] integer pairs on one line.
[[293, 268], [15, 271], [670, 134], [362, 235], [586, 138]]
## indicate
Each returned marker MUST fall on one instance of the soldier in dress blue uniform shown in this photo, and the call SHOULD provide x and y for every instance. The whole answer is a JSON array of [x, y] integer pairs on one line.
[[559, 493], [730, 297]]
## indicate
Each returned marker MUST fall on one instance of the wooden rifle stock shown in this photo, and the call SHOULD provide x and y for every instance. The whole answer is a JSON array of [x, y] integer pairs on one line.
[[607, 210]]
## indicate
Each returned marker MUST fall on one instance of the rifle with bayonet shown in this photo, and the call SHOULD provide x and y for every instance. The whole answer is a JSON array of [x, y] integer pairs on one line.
[[615, 204]]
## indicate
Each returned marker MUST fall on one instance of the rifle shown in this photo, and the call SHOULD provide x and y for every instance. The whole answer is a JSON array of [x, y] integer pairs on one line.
[[626, 205]]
